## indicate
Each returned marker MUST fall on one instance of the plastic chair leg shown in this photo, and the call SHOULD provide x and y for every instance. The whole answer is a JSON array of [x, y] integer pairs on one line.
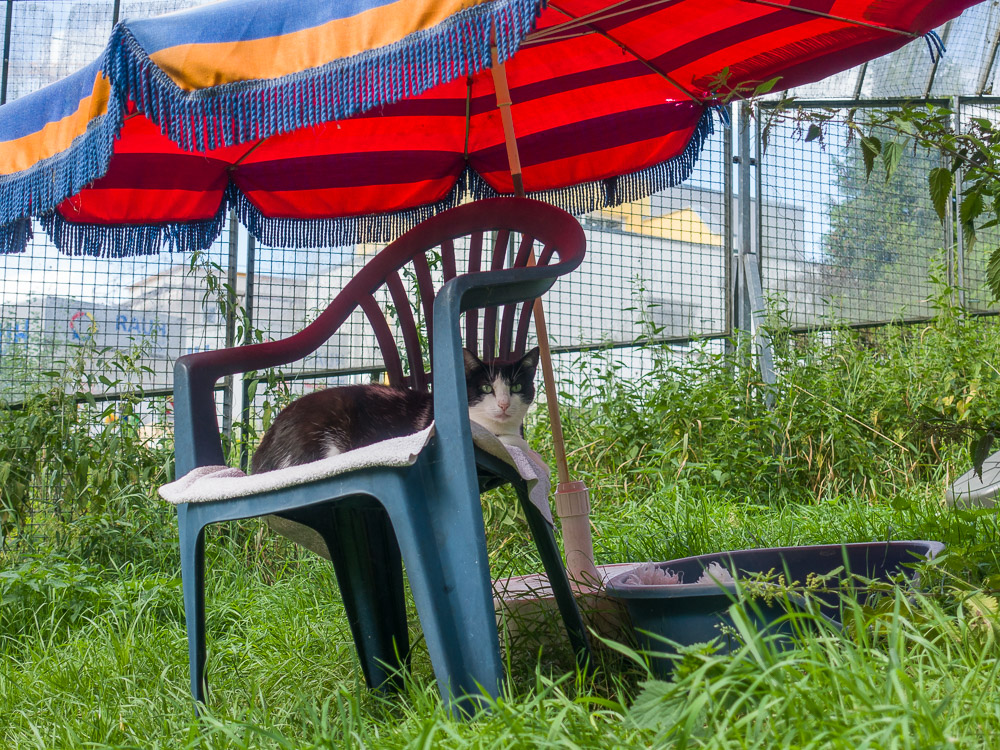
[[369, 572], [548, 550], [192, 549], [444, 548]]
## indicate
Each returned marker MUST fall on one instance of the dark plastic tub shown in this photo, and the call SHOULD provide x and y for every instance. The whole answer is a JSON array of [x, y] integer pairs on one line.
[[690, 613]]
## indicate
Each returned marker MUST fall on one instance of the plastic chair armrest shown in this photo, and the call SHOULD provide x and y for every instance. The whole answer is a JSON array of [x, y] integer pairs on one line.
[[196, 426]]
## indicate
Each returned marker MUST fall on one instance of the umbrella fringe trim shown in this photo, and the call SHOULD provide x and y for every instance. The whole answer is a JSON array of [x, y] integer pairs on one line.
[[131, 240], [668, 174], [242, 111], [341, 232], [614, 191], [15, 236], [118, 241], [576, 199], [47, 183], [109, 241]]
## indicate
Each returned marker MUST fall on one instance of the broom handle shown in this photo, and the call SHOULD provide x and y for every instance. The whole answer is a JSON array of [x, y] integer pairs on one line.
[[545, 354], [572, 498]]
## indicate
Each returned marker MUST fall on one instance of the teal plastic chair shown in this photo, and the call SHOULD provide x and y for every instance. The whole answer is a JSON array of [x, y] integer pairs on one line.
[[427, 515]]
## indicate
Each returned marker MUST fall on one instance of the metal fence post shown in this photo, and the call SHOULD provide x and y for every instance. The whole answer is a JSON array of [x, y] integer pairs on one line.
[[727, 241], [246, 413], [959, 234], [757, 243], [745, 213], [984, 75], [751, 307], [860, 82], [6, 51], [231, 305]]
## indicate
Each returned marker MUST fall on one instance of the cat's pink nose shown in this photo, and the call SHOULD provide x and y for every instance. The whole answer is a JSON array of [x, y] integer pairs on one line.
[[503, 404]]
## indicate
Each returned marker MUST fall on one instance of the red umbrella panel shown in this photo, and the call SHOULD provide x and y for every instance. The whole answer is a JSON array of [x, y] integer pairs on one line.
[[331, 124]]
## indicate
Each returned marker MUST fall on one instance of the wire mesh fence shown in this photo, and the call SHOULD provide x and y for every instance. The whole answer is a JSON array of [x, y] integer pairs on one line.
[[971, 269], [838, 246], [58, 310], [835, 247]]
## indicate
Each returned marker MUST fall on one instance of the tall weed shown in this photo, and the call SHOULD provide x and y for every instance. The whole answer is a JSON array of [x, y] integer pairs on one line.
[[850, 414], [73, 446]]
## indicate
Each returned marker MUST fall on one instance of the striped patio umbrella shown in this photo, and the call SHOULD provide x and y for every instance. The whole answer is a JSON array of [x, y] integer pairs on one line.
[[334, 123], [330, 123]]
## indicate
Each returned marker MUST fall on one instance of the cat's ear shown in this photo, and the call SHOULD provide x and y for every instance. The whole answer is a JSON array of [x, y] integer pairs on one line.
[[472, 362], [530, 360]]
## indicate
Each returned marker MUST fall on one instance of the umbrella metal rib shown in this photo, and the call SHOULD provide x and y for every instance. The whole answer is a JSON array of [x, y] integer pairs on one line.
[[629, 50], [842, 19], [558, 32]]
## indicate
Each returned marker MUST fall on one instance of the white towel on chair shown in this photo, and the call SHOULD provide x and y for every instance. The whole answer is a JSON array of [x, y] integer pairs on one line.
[[212, 483], [529, 465]]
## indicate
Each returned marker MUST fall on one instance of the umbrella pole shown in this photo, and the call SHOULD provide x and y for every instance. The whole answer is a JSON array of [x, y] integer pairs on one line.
[[572, 498]]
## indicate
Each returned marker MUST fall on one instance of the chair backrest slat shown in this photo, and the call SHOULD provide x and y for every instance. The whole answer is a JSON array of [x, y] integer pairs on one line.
[[523, 324], [527, 244], [404, 269], [524, 319], [504, 350], [499, 260], [408, 330], [500, 244], [448, 259], [386, 342], [546, 255], [425, 288], [475, 252], [472, 316], [507, 346]]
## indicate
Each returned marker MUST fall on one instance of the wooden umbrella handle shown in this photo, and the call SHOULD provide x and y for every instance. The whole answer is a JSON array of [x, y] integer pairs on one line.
[[507, 120]]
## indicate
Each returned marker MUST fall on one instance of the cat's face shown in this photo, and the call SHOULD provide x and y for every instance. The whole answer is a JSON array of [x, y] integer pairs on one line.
[[500, 392]]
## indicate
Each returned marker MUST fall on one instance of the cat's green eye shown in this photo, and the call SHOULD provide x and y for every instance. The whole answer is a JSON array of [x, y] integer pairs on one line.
[[486, 388], [516, 388]]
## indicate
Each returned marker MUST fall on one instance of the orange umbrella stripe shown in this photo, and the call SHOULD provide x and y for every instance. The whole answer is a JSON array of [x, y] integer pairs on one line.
[[57, 136], [198, 66]]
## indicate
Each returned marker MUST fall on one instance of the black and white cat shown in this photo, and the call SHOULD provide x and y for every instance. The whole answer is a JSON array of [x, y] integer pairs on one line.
[[335, 420]]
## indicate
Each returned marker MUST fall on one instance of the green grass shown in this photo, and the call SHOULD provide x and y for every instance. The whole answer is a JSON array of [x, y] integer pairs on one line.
[[95, 657], [910, 675], [93, 651]]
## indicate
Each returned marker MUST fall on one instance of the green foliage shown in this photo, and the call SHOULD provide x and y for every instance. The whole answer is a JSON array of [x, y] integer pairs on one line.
[[685, 459], [103, 663], [881, 230], [972, 152], [993, 271], [50, 594], [60, 447], [726, 92], [269, 393], [915, 672], [849, 414], [941, 183]]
